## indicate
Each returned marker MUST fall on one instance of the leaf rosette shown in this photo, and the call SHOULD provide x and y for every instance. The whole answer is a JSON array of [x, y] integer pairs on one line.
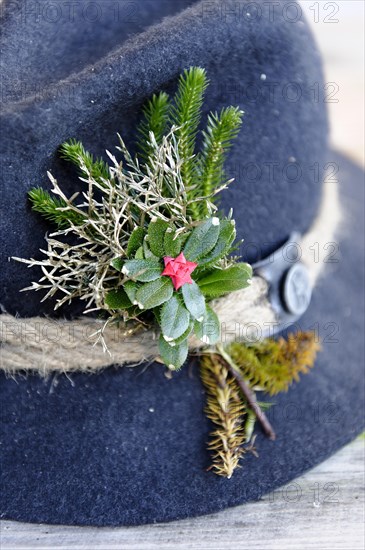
[[180, 310]]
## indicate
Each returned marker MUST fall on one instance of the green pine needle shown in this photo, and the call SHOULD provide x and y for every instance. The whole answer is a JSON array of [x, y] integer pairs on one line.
[[221, 130], [155, 118], [49, 207], [186, 114], [73, 151]]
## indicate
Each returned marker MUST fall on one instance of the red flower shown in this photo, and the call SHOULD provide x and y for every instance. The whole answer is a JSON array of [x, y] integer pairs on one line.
[[179, 269]]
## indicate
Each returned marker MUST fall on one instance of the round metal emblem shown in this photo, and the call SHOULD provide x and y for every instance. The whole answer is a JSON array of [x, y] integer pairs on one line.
[[297, 290]]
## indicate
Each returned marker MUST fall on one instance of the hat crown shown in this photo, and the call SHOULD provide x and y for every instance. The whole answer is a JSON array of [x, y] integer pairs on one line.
[[266, 62]]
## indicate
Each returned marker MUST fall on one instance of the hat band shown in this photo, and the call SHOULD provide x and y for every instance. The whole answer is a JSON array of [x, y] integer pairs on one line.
[[279, 294]]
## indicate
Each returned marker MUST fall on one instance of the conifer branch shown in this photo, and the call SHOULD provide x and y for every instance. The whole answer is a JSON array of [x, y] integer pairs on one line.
[[73, 151], [186, 114], [53, 209], [222, 129], [155, 118]]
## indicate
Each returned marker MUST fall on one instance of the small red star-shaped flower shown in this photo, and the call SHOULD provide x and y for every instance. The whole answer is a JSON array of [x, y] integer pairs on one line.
[[179, 269]]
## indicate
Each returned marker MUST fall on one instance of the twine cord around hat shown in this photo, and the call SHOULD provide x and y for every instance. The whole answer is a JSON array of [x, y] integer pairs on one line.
[[45, 345]]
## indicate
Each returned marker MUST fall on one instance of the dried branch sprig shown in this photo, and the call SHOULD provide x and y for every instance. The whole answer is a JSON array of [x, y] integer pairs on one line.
[[226, 409]]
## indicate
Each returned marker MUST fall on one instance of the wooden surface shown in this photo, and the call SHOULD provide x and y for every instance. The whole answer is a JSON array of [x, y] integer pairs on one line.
[[322, 510]]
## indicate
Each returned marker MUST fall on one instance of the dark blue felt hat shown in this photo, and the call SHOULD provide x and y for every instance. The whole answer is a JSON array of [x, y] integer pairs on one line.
[[127, 446]]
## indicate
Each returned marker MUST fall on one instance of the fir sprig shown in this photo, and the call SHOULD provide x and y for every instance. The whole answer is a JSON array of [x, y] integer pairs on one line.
[[202, 170], [222, 129], [74, 151], [155, 118], [186, 115], [53, 209]]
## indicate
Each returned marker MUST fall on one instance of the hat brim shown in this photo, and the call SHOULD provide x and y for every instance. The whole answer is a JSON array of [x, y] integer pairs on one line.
[[128, 446]]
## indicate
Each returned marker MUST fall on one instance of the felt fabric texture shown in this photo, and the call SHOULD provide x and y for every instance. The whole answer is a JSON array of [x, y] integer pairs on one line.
[[128, 446], [91, 89], [43, 43]]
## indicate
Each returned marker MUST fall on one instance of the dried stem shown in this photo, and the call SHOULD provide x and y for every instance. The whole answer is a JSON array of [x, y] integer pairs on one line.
[[247, 392]]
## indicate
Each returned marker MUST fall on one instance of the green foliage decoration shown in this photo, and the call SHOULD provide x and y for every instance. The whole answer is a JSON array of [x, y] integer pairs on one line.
[[143, 242], [134, 213]]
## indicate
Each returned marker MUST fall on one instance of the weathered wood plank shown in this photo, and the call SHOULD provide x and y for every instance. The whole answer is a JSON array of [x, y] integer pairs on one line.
[[322, 510]]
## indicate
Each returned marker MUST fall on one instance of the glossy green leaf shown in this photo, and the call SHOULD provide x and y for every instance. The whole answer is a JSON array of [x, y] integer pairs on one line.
[[174, 318], [156, 235], [130, 288], [155, 293], [194, 300], [139, 254], [117, 299], [202, 240], [174, 356], [172, 244], [186, 334], [221, 281], [117, 263], [227, 235], [135, 241], [209, 330], [148, 254], [142, 270]]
